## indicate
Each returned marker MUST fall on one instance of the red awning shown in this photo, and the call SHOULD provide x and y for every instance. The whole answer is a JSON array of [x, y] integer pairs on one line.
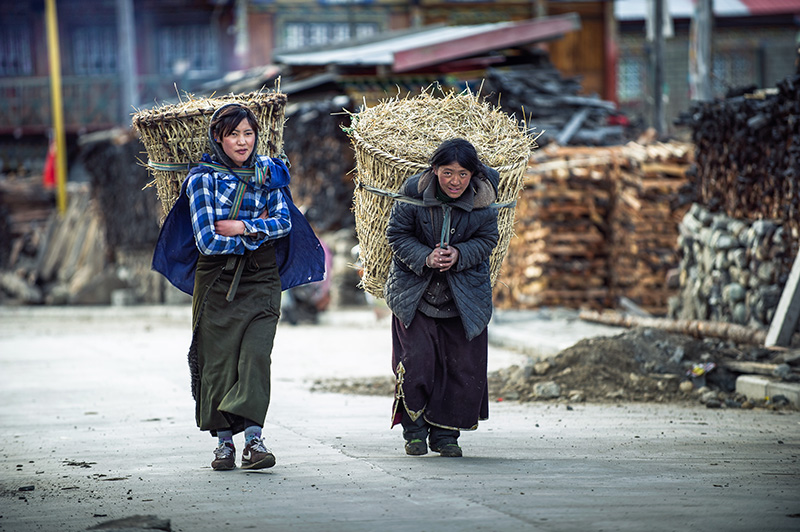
[[523, 33]]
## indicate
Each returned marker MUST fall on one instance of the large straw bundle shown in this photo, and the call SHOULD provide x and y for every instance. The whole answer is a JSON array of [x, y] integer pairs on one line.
[[393, 141], [178, 133]]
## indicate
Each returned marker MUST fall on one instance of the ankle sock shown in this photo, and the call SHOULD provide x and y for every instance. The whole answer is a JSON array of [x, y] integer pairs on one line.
[[225, 436], [251, 432]]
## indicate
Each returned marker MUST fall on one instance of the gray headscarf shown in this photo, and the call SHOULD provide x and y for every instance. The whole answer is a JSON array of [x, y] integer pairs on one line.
[[216, 148]]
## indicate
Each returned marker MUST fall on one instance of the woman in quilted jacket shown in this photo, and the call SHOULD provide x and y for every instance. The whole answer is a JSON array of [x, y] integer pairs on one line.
[[442, 233]]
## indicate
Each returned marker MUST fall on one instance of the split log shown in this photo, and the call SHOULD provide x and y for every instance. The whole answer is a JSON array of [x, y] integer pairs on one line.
[[697, 328], [758, 368]]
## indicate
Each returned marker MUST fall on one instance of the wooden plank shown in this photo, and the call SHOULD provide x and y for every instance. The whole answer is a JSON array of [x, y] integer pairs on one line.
[[788, 310]]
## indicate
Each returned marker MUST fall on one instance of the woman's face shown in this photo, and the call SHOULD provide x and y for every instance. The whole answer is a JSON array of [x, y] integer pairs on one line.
[[239, 144], [453, 178]]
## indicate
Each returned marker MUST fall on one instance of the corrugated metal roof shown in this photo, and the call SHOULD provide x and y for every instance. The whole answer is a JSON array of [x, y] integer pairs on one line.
[[382, 52], [637, 9], [772, 7]]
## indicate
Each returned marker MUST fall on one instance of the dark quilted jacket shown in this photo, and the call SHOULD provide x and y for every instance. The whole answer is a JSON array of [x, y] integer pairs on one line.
[[414, 231]]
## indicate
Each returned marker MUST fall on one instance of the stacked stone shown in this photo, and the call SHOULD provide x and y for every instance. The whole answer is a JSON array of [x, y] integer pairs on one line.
[[731, 270]]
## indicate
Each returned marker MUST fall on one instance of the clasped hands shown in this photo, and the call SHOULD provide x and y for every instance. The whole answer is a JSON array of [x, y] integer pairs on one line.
[[441, 258]]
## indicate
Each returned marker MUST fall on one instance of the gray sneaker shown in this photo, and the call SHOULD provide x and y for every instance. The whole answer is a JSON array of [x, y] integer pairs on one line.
[[224, 457], [256, 455]]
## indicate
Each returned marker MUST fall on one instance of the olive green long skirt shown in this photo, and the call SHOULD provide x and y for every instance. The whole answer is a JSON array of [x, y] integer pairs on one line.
[[232, 341]]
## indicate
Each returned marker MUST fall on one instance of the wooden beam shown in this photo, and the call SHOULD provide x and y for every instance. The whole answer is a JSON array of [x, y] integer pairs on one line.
[[534, 30], [788, 310]]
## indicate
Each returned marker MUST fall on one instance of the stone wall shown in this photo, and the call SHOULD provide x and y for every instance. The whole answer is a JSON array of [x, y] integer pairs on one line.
[[730, 270]]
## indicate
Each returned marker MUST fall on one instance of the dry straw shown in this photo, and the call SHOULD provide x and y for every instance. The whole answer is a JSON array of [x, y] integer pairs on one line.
[[393, 141], [178, 133]]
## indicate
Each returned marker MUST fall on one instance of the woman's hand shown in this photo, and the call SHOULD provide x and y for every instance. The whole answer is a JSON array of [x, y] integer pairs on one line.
[[442, 258], [229, 227]]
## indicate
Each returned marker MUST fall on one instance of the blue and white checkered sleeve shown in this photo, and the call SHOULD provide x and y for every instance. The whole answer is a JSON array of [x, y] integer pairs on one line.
[[201, 203], [278, 222]]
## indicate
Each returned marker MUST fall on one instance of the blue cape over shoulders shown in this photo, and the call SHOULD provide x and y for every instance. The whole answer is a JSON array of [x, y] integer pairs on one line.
[[300, 256]]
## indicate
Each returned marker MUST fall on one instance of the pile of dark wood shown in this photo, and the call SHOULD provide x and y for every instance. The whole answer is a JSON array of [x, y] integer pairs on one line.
[[67, 260], [596, 225], [130, 212], [25, 206], [321, 160], [748, 154], [552, 104]]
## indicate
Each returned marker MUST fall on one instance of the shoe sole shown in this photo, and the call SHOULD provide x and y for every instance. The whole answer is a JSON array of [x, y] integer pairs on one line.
[[223, 468], [451, 454], [265, 463], [416, 453], [448, 453]]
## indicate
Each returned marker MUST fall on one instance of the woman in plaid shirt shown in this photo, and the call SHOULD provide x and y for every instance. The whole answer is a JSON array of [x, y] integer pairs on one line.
[[239, 207]]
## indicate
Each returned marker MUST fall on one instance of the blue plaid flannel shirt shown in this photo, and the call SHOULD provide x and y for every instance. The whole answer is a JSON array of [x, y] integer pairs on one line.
[[211, 198]]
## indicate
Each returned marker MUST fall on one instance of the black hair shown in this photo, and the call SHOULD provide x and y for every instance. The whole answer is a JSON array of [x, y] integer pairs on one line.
[[458, 151], [228, 117]]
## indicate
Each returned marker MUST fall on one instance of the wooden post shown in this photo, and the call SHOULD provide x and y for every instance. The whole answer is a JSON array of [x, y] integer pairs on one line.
[[56, 103], [785, 319], [700, 51], [127, 60], [658, 69]]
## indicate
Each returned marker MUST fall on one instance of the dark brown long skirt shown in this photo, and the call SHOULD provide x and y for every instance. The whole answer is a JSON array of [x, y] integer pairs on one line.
[[440, 374], [232, 342]]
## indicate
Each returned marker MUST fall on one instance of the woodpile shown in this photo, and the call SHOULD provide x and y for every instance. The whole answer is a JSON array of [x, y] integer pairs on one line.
[[129, 209], [554, 104], [321, 162], [69, 264], [25, 206], [739, 243], [747, 154], [652, 193], [130, 212], [559, 256], [595, 225]]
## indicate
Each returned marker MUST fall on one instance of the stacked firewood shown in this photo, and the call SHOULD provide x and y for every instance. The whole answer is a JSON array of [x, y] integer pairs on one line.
[[560, 254], [321, 162], [653, 193], [25, 206], [130, 212], [594, 225], [554, 104], [69, 263], [747, 154]]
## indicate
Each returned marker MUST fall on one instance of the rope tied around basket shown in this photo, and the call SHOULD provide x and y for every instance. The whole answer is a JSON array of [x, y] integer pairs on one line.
[[445, 236]]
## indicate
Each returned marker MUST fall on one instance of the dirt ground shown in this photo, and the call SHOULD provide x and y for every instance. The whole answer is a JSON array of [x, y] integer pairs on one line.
[[639, 365]]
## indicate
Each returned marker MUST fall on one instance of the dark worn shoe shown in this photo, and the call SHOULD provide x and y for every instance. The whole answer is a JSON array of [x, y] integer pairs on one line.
[[448, 449], [224, 457], [416, 447], [257, 456]]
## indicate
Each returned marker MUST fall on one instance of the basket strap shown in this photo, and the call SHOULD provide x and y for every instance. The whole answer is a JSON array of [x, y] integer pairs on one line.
[[241, 187], [444, 237], [414, 201], [185, 167]]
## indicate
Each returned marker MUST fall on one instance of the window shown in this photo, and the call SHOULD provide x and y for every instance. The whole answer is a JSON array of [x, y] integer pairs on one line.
[[94, 50], [15, 50], [732, 69], [631, 76], [302, 34], [188, 50]]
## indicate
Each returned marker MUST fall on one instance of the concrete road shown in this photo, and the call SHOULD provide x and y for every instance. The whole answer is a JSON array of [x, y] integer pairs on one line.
[[97, 425]]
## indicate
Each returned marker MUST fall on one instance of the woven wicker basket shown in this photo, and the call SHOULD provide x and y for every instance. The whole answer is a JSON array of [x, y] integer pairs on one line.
[[382, 170], [178, 133]]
